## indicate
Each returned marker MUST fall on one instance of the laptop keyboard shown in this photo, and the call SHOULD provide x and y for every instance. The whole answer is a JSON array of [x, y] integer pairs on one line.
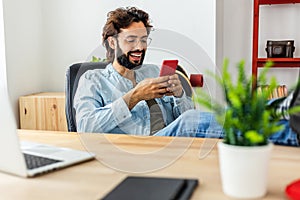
[[33, 161]]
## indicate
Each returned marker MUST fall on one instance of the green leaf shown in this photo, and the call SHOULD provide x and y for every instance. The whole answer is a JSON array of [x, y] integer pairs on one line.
[[95, 59], [254, 137]]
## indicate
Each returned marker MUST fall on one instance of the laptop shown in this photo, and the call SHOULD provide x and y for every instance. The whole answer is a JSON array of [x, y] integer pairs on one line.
[[29, 159]]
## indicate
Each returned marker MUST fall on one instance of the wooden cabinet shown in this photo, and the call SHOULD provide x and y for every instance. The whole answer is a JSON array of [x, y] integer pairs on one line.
[[43, 111], [259, 62]]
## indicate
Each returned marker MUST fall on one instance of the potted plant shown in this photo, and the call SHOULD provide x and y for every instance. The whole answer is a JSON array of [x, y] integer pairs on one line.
[[247, 122]]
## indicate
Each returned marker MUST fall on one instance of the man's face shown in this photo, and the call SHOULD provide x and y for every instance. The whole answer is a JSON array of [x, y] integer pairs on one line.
[[131, 45]]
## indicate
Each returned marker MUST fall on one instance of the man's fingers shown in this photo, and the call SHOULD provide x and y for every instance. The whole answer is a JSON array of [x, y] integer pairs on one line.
[[161, 79]]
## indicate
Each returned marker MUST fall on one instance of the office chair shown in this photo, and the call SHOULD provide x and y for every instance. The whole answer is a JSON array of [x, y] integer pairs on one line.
[[74, 73]]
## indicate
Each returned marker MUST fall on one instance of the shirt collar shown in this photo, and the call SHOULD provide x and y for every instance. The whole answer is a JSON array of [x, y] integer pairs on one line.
[[111, 70]]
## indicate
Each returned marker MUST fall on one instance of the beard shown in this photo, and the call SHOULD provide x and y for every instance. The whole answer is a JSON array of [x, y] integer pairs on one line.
[[124, 60]]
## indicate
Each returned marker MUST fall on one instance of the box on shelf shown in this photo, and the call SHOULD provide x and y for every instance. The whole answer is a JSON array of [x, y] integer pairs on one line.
[[280, 49]]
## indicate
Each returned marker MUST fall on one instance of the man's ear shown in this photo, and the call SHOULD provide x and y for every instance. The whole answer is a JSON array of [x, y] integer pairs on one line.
[[112, 42]]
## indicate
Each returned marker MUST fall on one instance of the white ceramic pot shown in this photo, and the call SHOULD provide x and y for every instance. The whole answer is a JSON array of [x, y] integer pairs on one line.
[[244, 170]]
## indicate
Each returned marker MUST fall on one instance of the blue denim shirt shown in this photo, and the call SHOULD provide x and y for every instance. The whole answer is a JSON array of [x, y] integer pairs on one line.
[[100, 107]]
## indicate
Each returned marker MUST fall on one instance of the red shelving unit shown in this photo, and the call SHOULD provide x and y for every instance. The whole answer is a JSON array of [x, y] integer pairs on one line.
[[259, 62]]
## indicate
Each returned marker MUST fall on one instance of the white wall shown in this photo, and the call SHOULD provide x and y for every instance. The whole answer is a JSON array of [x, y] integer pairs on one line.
[[3, 79], [23, 27]]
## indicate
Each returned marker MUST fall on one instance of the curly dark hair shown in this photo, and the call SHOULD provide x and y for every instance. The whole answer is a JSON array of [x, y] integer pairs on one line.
[[119, 19]]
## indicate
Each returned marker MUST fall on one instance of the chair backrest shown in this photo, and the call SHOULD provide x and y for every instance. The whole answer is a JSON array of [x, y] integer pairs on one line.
[[73, 75]]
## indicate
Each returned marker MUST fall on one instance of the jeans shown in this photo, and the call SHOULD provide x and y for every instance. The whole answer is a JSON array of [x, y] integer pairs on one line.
[[194, 123]]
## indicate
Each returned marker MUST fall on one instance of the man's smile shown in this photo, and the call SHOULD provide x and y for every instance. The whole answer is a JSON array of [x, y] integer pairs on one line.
[[135, 56]]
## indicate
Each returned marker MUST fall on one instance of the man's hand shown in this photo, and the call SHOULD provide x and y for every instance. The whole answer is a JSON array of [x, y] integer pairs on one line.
[[149, 88], [175, 87]]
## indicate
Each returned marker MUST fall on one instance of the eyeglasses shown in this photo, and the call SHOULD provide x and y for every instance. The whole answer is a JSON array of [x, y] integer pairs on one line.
[[134, 41]]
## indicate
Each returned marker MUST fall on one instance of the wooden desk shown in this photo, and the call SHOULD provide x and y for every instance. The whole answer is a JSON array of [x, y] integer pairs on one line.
[[92, 180]]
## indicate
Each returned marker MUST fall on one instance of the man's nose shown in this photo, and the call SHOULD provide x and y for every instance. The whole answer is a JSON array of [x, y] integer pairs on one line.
[[139, 45]]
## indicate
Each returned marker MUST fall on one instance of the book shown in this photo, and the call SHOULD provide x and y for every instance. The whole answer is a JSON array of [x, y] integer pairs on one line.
[[285, 90], [278, 92], [152, 188]]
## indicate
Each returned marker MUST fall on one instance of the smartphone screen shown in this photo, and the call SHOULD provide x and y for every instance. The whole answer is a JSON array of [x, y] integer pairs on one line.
[[168, 67]]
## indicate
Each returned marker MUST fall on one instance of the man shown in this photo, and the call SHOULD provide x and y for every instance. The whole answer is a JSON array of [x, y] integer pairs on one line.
[[291, 133], [128, 96], [295, 118]]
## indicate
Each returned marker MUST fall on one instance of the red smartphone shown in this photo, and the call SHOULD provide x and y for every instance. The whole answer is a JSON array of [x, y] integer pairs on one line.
[[168, 67]]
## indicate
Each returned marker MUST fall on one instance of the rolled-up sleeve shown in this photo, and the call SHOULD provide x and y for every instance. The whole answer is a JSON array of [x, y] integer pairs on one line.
[[120, 110]]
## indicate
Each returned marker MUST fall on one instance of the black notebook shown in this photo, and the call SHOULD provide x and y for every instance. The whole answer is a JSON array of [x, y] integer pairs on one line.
[[151, 188]]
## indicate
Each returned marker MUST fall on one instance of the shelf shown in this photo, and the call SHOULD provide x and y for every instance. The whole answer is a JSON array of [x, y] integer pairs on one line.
[[266, 2], [260, 62], [280, 62]]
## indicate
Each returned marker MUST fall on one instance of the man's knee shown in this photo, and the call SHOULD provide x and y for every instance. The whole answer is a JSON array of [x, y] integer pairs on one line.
[[189, 114]]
